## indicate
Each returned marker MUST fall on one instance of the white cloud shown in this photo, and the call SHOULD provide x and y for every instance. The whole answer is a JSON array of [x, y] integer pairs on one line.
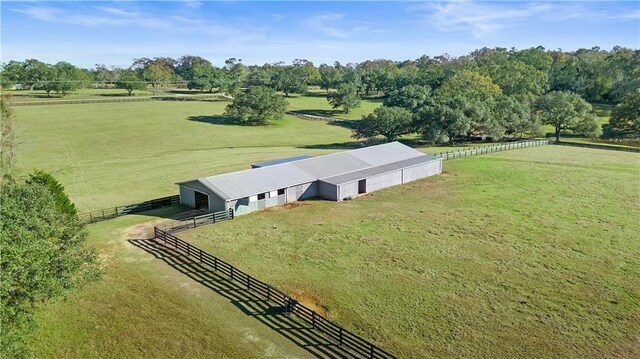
[[192, 4], [104, 16], [325, 24], [483, 18], [478, 18]]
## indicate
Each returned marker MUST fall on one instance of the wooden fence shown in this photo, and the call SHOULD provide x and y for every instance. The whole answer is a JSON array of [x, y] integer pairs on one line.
[[197, 221], [114, 100], [474, 151], [357, 345], [108, 213], [598, 147]]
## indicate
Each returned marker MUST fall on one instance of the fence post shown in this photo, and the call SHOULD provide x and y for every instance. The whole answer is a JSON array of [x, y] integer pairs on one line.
[[90, 218], [371, 351], [232, 213], [200, 255], [340, 335], [313, 320], [103, 215], [116, 209], [268, 293], [248, 283], [231, 272], [215, 263]]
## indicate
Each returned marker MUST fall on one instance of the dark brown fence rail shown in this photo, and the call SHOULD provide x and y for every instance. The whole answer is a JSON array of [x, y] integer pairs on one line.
[[114, 100], [357, 345], [474, 151], [108, 213], [598, 147], [197, 221]]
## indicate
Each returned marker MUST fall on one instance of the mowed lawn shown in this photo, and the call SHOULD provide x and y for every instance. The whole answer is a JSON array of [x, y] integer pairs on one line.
[[143, 308], [526, 253], [119, 153]]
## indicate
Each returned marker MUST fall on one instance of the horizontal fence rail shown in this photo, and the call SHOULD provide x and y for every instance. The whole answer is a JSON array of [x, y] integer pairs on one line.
[[114, 100], [468, 152], [113, 212], [598, 147], [359, 346], [197, 221]]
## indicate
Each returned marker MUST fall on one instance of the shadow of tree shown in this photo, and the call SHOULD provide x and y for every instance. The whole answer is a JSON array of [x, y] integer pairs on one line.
[[320, 112], [219, 120], [274, 317]]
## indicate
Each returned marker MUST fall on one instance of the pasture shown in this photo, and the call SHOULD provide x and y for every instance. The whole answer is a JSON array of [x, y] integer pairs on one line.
[[527, 253], [118, 153]]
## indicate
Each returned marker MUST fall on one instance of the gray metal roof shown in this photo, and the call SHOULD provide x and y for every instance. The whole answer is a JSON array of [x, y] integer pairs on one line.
[[264, 179], [279, 161], [377, 170]]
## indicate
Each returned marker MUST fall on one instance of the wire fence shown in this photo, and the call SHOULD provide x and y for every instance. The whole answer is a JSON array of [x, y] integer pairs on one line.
[[359, 346]]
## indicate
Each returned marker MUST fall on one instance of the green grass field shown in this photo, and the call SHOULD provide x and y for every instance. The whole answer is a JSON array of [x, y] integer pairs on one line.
[[527, 253]]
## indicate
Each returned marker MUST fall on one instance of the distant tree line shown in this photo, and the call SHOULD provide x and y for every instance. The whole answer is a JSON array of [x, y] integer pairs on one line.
[[489, 93]]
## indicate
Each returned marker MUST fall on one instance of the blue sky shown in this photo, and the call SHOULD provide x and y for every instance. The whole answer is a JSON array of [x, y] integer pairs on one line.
[[113, 33]]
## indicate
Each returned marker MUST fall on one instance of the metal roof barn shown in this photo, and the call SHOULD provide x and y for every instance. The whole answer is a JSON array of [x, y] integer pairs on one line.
[[296, 178]]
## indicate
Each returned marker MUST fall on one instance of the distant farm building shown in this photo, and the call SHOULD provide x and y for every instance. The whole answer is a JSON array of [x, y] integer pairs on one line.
[[335, 177]]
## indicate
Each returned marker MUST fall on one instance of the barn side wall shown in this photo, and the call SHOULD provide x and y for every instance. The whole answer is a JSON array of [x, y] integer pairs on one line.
[[243, 206], [187, 197], [216, 204], [303, 191], [421, 171], [384, 180], [327, 191], [347, 190]]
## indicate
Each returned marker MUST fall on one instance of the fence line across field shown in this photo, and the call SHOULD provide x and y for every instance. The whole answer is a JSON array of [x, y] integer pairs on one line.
[[346, 339], [598, 146], [113, 100], [449, 155], [113, 212], [197, 221]]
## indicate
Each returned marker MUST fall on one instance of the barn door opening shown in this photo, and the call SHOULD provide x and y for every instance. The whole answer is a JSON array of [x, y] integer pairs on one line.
[[362, 186], [202, 200]]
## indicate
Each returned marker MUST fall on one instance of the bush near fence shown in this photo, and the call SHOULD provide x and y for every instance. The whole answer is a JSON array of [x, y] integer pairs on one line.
[[346, 339], [113, 212]]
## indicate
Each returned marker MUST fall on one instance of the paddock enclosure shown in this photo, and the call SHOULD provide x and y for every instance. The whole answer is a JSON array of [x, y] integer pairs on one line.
[[334, 177]]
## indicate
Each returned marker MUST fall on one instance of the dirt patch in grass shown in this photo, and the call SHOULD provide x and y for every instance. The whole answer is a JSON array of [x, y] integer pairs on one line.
[[310, 301]]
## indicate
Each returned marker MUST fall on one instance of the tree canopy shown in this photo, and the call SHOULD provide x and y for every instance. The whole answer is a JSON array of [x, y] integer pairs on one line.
[[567, 111], [43, 256], [258, 105], [625, 117], [345, 97], [390, 122]]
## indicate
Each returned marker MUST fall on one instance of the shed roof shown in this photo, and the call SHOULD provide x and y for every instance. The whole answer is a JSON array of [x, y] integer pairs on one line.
[[279, 161], [264, 179], [377, 170]]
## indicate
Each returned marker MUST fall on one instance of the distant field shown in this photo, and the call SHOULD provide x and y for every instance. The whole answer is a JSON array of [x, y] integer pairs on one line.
[[527, 253], [116, 153]]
